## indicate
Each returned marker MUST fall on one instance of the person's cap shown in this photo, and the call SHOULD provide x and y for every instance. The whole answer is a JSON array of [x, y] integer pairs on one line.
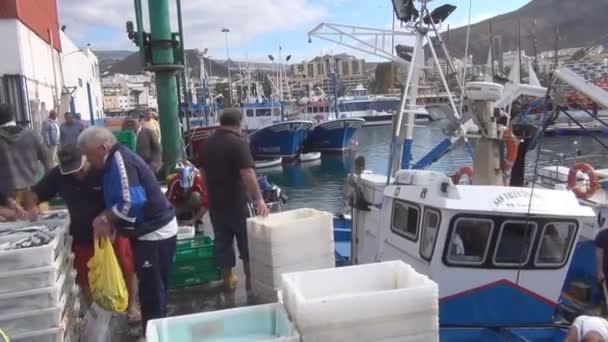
[[70, 159]]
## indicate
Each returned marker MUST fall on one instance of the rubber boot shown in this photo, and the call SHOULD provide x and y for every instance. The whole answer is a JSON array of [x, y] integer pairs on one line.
[[230, 280], [247, 275]]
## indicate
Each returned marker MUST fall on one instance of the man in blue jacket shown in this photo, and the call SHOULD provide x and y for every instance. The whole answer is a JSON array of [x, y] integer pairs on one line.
[[135, 207]]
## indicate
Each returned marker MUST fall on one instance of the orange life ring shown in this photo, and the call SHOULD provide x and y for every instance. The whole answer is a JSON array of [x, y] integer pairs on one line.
[[594, 182], [465, 170], [512, 144]]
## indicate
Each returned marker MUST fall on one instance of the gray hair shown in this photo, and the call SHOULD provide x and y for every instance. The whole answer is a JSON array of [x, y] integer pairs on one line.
[[95, 137]]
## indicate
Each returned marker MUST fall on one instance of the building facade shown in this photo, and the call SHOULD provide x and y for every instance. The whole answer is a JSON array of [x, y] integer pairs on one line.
[[40, 67], [123, 93], [315, 73]]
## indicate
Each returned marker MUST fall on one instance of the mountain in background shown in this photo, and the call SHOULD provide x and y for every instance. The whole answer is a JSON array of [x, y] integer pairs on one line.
[[579, 22]]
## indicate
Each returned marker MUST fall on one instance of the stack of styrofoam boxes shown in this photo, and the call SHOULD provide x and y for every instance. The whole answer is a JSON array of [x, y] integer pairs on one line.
[[380, 302], [268, 323], [296, 240], [38, 294]]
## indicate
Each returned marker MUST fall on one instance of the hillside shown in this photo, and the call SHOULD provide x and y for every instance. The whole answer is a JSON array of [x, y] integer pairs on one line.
[[132, 65], [579, 22]]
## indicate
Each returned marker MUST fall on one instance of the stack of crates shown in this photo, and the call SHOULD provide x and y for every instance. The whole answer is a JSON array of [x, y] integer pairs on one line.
[[38, 293], [193, 263]]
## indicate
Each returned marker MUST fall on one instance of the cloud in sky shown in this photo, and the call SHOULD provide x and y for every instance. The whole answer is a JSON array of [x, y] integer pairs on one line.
[[203, 19]]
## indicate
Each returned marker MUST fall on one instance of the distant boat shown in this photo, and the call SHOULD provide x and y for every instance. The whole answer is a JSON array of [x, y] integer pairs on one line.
[[284, 139], [376, 110]]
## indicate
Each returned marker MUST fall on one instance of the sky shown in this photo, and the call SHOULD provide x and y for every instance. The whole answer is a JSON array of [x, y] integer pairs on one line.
[[257, 27]]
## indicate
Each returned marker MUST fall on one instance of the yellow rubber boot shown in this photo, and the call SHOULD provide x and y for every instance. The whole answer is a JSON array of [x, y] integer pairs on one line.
[[230, 280], [247, 275]]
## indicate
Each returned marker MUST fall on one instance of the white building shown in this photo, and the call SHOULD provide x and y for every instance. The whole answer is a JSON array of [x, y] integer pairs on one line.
[[38, 65], [122, 93]]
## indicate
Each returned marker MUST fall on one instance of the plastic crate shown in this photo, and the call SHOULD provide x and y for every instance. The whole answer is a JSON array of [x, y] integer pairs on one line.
[[191, 279], [268, 322], [198, 266], [195, 242], [127, 138], [184, 253]]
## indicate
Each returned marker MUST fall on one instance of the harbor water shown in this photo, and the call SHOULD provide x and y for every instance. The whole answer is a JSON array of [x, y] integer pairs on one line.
[[320, 184]]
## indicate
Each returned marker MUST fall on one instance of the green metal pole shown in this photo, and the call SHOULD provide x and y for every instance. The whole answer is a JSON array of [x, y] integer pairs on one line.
[[163, 64]]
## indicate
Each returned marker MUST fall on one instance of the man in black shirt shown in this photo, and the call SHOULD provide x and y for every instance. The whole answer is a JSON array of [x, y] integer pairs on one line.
[[228, 169], [80, 186]]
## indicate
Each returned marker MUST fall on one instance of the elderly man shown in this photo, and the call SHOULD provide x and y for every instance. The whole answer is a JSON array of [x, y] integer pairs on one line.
[[146, 145], [228, 169], [75, 180], [135, 207]]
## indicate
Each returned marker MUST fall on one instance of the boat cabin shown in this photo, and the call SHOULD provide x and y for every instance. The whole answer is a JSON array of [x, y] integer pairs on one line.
[[499, 254], [316, 111], [260, 114]]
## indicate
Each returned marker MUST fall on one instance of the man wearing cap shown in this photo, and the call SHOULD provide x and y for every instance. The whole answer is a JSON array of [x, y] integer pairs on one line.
[[80, 186], [147, 145], [135, 207]]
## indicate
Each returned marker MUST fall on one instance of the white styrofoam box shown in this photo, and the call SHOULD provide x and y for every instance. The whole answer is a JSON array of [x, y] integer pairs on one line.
[[37, 299], [268, 322], [35, 278], [292, 225], [23, 322], [289, 252], [358, 295], [185, 232], [271, 274], [32, 257]]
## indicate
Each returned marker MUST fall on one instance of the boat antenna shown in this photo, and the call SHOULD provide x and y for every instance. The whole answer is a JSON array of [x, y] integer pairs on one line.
[[492, 50], [466, 57]]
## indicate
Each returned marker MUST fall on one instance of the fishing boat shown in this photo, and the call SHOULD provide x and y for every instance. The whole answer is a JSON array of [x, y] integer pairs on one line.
[[283, 139], [500, 254], [333, 135]]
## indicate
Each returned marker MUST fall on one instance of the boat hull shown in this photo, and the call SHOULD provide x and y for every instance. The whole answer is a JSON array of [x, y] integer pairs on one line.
[[284, 139], [333, 135]]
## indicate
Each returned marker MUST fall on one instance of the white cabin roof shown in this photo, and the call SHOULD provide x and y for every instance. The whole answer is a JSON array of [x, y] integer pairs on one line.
[[517, 200]]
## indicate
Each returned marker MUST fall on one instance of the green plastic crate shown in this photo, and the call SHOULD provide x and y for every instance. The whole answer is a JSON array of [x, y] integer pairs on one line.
[[197, 266], [127, 138], [191, 279], [184, 253], [195, 242]]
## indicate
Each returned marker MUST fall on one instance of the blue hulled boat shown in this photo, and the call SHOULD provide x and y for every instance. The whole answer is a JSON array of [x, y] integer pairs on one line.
[[333, 135], [284, 139]]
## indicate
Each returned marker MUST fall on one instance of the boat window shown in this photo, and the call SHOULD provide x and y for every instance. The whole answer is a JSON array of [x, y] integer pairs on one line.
[[309, 110], [555, 243], [405, 220], [514, 242], [250, 113], [315, 109], [263, 112], [430, 226], [470, 241]]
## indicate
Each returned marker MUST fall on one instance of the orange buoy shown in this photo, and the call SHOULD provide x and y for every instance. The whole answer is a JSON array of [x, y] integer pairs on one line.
[[512, 144], [593, 185], [465, 170]]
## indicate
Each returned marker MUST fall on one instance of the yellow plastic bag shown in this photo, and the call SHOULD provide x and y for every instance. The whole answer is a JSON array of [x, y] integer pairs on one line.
[[106, 279]]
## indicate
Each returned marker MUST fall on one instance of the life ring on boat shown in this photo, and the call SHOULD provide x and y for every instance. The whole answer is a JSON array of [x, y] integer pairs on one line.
[[465, 170], [512, 145], [594, 183]]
